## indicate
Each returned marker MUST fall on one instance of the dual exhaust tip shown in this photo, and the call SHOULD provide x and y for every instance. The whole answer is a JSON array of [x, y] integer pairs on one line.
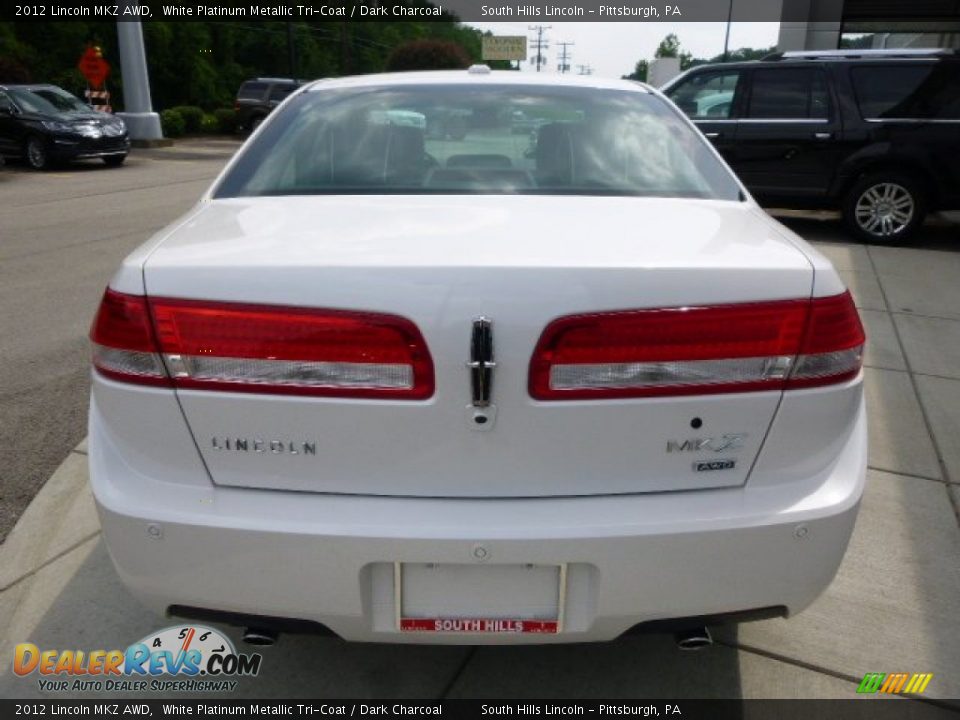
[[261, 637], [692, 639]]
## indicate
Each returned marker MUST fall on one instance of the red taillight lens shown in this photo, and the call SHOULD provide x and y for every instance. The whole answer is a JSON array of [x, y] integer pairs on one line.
[[123, 343], [269, 349], [698, 350], [832, 349]]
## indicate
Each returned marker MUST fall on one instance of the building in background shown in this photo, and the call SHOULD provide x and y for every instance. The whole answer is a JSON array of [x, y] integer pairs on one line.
[[829, 24]]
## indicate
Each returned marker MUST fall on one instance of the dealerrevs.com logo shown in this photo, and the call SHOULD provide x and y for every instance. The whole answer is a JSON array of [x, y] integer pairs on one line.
[[184, 658]]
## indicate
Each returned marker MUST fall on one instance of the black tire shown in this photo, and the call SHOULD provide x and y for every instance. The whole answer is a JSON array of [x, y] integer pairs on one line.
[[114, 160], [36, 152], [885, 207]]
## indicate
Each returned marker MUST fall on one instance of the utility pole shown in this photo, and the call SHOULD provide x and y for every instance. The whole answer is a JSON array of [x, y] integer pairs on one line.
[[540, 42], [565, 56], [726, 40], [291, 51]]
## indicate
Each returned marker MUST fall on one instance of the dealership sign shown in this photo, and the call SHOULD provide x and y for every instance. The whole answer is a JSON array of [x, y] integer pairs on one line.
[[512, 47]]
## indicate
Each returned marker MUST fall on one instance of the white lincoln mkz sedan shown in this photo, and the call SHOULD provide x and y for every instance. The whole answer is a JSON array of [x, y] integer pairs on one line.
[[408, 385]]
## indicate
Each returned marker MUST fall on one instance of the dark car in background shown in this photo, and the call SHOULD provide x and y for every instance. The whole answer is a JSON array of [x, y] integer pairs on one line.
[[258, 97], [44, 124], [872, 133]]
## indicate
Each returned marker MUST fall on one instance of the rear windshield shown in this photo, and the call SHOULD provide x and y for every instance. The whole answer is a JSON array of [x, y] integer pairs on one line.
[[279, 92], [251, 91], [466, 139]]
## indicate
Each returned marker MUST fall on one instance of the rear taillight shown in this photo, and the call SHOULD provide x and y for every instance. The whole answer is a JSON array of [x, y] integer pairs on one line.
[[832, 349], [698, 350], [271, 349], [123, 344]]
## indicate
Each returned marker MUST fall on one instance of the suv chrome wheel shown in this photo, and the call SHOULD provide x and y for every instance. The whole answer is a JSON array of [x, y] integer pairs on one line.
[[885, 209]]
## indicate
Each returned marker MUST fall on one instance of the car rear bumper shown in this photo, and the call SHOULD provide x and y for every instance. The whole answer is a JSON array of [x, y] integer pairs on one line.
[[330, 560]]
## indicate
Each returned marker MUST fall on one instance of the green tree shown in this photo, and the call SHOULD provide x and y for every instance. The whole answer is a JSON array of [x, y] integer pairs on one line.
[[428, 55], [669, 47], [203, 63], [639, 71]]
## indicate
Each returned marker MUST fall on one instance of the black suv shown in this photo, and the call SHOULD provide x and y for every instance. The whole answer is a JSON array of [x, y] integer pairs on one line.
[[257, 98], [873, 133], [44, 124]]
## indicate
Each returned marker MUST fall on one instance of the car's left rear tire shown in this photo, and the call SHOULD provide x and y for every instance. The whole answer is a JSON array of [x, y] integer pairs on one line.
[[36, 153], [885, 207], [114, 160]]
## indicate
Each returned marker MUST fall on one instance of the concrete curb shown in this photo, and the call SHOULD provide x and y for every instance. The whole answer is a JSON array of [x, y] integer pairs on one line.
[[58, 519]]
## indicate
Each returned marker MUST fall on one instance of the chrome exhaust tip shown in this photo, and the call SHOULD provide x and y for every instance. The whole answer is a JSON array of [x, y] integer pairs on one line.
[[261, 637], [695, 639]]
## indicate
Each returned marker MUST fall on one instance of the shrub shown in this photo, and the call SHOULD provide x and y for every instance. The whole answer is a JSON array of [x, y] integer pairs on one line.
[[226, 119], [172, 123], [428, 55], [210, 125], [192, 117]]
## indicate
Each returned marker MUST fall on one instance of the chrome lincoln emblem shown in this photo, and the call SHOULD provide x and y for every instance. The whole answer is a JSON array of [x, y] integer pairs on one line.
[[481, 362]]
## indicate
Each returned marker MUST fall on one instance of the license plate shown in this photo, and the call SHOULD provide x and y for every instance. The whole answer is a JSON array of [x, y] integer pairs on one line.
[[480, 599]]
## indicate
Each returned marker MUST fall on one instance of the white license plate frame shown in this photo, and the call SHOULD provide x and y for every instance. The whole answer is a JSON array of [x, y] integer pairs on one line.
[[473, 625]]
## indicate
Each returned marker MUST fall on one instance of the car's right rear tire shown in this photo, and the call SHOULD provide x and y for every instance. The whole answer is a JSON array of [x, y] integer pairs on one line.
[[885, 207], [36, 153]]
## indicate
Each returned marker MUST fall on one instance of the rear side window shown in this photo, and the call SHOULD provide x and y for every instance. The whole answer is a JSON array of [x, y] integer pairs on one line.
[[908, 91], [251, 91], [789, 94]]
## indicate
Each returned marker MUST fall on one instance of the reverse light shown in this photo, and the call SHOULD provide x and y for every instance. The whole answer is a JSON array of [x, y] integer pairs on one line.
[[279, 350], [123, 343], [742, 347]]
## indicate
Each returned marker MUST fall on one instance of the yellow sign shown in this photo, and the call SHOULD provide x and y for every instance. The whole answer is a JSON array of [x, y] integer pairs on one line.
[[512, 47]]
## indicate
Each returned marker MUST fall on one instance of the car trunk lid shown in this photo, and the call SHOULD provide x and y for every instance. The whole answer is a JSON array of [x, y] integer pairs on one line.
[[443, 262]]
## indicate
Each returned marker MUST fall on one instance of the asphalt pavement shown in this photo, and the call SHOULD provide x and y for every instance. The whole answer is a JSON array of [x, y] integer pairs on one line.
[[62, 235]]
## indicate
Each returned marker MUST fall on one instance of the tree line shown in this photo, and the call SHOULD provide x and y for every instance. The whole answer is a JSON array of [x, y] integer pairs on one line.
[[203, 63], [670, 47]]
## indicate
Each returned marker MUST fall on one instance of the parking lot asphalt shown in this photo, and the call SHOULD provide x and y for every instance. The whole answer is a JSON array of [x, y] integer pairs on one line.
[[62, 235], [892, 607]]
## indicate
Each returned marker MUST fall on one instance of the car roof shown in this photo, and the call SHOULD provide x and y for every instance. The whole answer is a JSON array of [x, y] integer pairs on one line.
[[836, 56], [479, 75], [267, 80], [27, 86]]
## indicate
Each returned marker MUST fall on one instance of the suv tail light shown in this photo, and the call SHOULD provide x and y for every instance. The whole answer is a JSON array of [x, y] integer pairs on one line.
[[699, 350], [269, 349]]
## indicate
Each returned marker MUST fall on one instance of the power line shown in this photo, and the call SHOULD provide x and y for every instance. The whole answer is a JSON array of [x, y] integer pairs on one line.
[[565, 56], [540, 43]]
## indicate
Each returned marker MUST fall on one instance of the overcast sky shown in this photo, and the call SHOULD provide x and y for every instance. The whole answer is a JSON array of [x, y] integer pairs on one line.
[[612, 49]]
